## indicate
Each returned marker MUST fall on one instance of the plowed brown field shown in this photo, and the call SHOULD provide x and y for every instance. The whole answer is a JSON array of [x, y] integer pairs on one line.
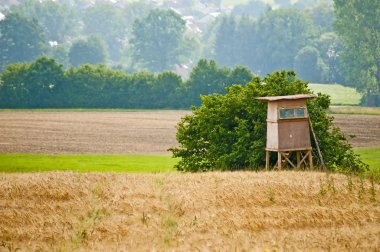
[[240, 211], [364, 129], [88, 132], [125, 132]]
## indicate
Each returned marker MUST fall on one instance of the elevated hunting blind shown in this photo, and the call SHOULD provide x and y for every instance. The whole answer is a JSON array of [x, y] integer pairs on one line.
[[288, 129]]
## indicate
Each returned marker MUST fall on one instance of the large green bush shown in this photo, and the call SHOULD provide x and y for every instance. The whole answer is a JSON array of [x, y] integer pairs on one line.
[[228, 132]]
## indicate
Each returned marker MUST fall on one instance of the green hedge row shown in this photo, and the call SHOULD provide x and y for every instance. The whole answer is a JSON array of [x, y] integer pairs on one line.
[[45, 84]]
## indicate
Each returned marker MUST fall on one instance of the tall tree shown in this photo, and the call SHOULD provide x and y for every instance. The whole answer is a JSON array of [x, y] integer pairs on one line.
[[45, 76], [253, 8], [60, 53], [225, 42], [309, 65], [89, 51], [323, 16], [246, 40], [14, 92], [357, 23], [131, 12], [206, 78], [58, 20], [105, 21], [330, 48], [156, 39], [239, 75], [21, 39], [282, 34], [165, 90]]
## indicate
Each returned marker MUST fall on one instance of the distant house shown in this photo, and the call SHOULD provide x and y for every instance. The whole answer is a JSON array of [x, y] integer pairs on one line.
[[183, 71], [190, 25]]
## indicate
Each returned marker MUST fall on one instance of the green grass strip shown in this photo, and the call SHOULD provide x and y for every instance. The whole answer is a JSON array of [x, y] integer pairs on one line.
[[371, 156], [122, 163], [86, 163]]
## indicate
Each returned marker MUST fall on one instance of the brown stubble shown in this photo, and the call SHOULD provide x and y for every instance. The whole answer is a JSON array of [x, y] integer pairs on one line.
[[208, 211]]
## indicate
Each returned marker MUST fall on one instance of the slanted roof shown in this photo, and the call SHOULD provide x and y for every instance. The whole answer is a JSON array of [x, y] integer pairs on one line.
[[286, 97]]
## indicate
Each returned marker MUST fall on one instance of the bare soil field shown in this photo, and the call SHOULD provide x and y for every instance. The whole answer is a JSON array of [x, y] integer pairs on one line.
[[88, 132], [125, 132], [219, 211], [364, 129]]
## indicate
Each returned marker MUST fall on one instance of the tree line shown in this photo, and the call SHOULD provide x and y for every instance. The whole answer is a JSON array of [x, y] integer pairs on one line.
[[45, 84]]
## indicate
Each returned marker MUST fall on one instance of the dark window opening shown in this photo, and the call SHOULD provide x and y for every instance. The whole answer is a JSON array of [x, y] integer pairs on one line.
[[286, 113]]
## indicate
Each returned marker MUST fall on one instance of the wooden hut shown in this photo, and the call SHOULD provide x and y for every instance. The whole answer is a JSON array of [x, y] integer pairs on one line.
[[288, 129]]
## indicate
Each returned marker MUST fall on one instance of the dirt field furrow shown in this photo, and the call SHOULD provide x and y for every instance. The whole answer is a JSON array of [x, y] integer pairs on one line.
[[361, 130], [88, 132], [126, 132]]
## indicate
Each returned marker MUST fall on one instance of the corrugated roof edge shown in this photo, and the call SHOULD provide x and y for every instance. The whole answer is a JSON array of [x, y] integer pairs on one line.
[[286, 97]]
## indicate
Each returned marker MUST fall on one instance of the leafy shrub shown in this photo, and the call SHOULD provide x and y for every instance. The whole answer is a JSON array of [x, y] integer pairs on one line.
[[228, 132]]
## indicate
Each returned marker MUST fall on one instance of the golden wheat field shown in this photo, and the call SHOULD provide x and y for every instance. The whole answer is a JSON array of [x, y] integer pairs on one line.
[[219, 211]]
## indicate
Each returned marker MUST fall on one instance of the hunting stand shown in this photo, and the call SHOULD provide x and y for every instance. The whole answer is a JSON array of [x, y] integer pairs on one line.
[[288, 130]]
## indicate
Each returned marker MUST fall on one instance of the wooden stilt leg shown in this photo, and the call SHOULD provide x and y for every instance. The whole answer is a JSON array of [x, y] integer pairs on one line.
[[298, 160], [267, 161], [311, 160], [286, 158], [279, 160]]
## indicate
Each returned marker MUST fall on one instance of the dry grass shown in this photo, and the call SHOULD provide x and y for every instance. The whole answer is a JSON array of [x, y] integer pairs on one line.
[[188, 212]]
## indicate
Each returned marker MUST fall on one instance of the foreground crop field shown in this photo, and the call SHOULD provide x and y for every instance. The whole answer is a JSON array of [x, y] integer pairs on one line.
[[217, 211], [125, 132]]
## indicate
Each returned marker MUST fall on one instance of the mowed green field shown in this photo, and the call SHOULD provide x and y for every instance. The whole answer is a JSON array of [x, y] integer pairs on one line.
[[121, 163], [340, 95], [86, 163]]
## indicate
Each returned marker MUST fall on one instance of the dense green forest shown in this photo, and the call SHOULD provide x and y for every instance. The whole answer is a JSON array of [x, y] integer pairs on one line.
[[316, 38]]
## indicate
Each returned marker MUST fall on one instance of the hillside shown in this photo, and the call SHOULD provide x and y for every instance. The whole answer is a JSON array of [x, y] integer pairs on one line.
[[340, 95], [218, 211]]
